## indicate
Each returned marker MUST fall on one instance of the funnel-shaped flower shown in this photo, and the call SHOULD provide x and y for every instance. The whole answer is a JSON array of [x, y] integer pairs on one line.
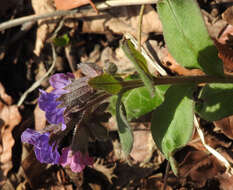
[[45, 153], [77, 160], [48, 101]]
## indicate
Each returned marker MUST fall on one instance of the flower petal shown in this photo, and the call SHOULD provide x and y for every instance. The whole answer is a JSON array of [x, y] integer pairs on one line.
[[47, 101], [60, 80], [44, 152], [30, 136]]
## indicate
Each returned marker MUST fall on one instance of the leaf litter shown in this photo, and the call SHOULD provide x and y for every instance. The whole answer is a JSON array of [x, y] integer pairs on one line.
[[146, 167]]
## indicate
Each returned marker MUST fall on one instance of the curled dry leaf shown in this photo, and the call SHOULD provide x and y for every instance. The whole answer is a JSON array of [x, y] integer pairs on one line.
[[44, 29], [143, 145], [226, 181], [228, 15], [70, 4], [40, 119], [200, 167], [224, 45], [125, 20], [226, 126], [11, 117], [156, 182], [108, 172]]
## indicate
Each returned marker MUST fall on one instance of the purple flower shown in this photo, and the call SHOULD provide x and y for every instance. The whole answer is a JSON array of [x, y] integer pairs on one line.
[[45, 153], [48, 101], [77, 160]]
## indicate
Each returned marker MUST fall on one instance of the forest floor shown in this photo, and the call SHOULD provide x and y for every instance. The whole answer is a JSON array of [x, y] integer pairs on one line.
[[26, 57]]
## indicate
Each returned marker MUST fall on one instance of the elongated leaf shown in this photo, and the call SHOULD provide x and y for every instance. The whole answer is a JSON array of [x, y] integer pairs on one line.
[[140, 64], [106, 82], [215, 101], [172, 121], [186, 36], [124, 129]]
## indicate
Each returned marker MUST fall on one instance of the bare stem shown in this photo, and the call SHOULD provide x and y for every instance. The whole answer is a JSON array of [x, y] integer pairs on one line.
[[37, 83], [140, 26]]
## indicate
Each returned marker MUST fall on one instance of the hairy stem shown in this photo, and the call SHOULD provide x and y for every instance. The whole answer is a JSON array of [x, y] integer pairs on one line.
[[179, 80]]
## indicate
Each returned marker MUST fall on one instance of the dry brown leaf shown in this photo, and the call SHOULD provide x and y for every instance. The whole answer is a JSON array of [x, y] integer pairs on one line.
[[171, 63], [226, 126], [70, 4], [226, 181], [125, 20], [156, 182], [142, 152], [108, 172], [200, 167], [228, 15], [40, 119], [118, 58], [43, 30], [33, 169], [224, 45], [11, 117]]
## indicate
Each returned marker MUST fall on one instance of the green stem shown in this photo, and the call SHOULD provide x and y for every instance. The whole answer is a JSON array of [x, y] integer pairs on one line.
[[179, 80]]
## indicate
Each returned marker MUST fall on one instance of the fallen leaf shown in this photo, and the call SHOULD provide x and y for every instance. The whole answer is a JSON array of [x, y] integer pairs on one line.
[[10, 117], [108, 172], [226, 181], [125, 20], [228, 15], [44, 29], [156, 182], [143, 146], [226, 126], [40, 119], [200, 167], [70, 4]]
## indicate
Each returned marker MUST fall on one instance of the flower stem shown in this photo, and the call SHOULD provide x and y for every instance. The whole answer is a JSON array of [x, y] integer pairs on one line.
[[179, 80]]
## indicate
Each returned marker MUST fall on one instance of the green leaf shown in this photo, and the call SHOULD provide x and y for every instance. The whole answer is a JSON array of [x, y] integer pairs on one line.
[[186, 36], [138, 102], [172, 121], [140, 64], [215, 101], [61, 41], [124, 129], [106, 82]]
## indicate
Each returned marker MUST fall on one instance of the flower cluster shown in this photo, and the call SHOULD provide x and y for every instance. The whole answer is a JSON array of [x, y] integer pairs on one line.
[[45, 151]]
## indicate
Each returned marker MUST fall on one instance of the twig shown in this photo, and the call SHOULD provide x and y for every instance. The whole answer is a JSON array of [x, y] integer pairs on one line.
[[100, 6], [166, 176], [37, 83], [32, 18], [140, 26], [211, 150]]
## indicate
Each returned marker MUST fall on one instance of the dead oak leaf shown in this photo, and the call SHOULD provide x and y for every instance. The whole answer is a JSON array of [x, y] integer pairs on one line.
[[226, 181], [44, 29], [226, 126], [125, 20], [11, 117], [200, 167]]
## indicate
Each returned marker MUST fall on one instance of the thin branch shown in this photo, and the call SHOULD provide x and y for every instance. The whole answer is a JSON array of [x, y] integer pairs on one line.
[[33, 18], [37, 83], [100, 6], [166, 176]]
